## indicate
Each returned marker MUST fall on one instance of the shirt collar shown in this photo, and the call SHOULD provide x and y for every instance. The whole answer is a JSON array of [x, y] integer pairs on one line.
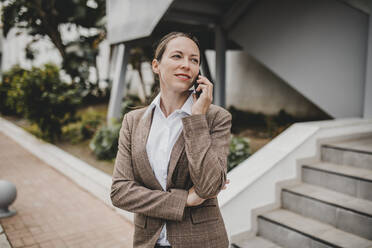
[[186, 107]]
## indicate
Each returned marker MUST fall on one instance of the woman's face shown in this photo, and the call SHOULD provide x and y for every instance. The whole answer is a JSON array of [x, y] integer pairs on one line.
[[179, 65]]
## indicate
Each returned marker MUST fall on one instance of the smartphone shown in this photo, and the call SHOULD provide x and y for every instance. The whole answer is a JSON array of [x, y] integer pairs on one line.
[[196, 86]]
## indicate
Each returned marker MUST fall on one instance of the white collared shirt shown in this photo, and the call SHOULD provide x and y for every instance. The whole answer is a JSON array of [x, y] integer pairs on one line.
[[163, 135]]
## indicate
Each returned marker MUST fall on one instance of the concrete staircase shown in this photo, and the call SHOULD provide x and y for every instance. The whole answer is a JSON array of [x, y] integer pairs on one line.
[[331, 207]]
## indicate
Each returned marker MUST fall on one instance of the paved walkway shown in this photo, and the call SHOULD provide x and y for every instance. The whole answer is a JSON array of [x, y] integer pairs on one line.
[[52, 211]]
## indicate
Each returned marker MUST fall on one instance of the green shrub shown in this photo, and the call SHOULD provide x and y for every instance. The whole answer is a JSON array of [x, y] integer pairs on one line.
[[90, 121], [283, 118], [40, 96], [83, 129], [129, 103], [105, 142], [34, 130], [242, 120], [5, 86], [271, 127], [239, 151], [71, 133]]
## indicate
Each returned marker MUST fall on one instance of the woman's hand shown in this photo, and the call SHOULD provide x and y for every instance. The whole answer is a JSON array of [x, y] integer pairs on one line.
[[194, 200], [205, 99]]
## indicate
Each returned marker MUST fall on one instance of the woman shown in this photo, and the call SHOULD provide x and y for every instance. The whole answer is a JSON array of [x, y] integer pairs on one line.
[[172, 156]]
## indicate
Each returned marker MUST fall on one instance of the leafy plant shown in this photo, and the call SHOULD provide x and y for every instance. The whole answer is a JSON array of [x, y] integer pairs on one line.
[[40, 96], [243, 119], [239, 151], [90, 121], [271, 126], [129, 103], [5, 85], [71, 133], [105, 142], [34, 130]]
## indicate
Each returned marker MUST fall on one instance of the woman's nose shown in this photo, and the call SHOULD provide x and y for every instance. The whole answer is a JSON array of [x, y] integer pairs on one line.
[[185, 64]]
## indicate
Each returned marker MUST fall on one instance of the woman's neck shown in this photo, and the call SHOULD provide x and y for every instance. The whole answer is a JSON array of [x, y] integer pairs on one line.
[[170, 101]]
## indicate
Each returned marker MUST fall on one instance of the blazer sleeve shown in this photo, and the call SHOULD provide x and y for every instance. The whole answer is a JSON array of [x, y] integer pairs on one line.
[[128, 194], [207, 149]]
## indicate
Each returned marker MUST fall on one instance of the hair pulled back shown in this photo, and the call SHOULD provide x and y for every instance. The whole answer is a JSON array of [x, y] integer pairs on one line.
[[162, 44]]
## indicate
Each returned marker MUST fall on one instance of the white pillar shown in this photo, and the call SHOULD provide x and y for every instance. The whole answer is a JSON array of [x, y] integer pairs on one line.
[[117, 89], [111, 63], [219, 88], [367, 112], [205, 66]]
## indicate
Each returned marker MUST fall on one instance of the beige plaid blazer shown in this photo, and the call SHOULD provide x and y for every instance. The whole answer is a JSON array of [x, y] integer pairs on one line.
[[198, 159]]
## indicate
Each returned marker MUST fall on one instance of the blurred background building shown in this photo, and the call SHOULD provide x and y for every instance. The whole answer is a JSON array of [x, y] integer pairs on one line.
[[271, 55]]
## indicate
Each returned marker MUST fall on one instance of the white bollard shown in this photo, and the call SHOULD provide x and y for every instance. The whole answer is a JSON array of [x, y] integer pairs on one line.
[[8, 194]]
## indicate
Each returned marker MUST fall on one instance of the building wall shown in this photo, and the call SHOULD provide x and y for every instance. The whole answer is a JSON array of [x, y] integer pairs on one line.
[[316, 46], [368, 87], [253, 87]]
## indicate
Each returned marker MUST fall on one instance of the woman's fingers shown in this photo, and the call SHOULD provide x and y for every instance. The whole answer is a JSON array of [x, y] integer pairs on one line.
[[206, 89], [204, 83], [204, 80], [193, 199], [227, 182], [202, 87], [202, 104]]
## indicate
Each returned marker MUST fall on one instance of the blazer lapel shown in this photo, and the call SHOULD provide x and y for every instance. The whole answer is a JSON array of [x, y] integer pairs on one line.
[[142, 158], [175, 155]]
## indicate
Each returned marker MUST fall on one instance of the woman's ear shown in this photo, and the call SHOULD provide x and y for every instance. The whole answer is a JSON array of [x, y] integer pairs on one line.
[[155, 66]]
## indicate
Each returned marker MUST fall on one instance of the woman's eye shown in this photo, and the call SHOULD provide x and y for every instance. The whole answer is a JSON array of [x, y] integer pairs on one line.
[[176, 56], [195, 60]]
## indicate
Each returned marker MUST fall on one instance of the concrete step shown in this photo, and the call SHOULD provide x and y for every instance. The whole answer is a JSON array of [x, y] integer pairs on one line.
[[292, 230], [344, 212], [357, 152], [255, 242], [348, 180]]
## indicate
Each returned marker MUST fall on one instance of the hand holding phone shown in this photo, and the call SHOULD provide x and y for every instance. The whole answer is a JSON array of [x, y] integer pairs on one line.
[[201, 104], [197, 93]]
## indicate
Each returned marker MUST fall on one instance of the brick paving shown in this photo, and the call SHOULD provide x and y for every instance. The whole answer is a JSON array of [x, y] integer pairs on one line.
[[52, 211]]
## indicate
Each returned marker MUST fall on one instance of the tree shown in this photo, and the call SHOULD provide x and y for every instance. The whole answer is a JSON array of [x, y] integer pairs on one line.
[[47, 18]]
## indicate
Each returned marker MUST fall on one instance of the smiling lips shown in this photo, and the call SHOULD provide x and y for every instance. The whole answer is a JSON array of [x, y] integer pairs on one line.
[[183, 76]]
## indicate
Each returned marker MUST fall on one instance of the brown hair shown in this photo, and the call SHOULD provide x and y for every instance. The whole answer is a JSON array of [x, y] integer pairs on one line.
[[162, 44]]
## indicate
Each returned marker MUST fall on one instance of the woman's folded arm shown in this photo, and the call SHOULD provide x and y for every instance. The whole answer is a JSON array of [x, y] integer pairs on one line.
[[207, 149], [129, 195]]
